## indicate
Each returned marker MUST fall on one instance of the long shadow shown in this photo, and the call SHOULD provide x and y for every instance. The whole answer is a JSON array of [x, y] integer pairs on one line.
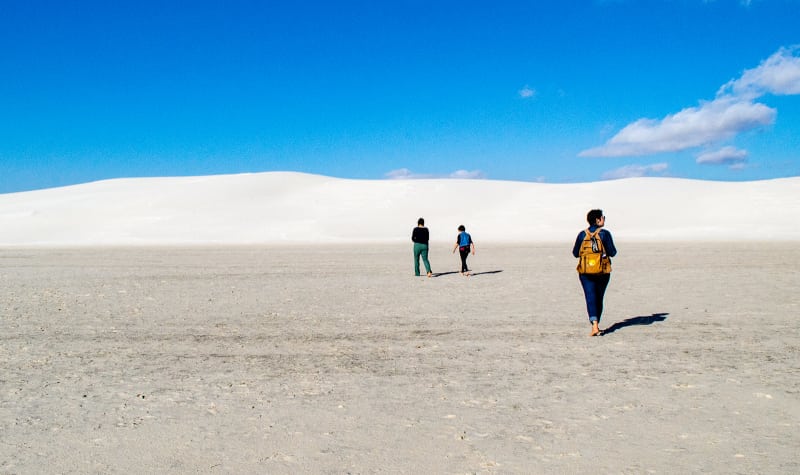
[[641, 320], [487, 272], [439, 274]]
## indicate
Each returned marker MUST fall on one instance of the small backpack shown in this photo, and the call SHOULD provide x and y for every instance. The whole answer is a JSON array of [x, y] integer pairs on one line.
[[592, 258], [463, 239]]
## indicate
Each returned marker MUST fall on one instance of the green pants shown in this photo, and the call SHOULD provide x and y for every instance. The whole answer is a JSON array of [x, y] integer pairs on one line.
[[421, 250]]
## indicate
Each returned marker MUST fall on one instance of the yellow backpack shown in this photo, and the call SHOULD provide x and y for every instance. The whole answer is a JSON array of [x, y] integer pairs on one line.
[[592, 258]]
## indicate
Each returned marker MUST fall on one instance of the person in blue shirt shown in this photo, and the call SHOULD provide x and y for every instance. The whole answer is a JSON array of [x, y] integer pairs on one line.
[[594, 285], [464, 245]]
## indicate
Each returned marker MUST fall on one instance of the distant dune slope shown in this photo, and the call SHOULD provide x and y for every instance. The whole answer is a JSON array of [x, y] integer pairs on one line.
[[284, 207]]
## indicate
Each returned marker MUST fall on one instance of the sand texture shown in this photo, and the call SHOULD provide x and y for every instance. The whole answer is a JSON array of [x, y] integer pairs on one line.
[[335, 359]]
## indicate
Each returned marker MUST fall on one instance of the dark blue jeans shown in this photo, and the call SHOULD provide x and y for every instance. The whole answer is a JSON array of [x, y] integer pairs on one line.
[[594, 288]]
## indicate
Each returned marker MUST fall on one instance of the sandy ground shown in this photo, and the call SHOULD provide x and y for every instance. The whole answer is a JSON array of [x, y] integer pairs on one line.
[[337, 360]]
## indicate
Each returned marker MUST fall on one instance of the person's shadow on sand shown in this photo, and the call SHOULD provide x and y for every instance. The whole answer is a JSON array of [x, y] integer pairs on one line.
[[641, 320], [439, 274], [487, 272]]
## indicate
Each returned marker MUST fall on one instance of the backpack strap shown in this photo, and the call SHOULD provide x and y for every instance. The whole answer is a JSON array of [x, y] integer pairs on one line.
[[596, 234]]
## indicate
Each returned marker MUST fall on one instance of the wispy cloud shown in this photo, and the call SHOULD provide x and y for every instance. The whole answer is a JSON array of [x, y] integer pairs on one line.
[[406, 174], [720, 119], [527, 92], [779, 74], [467, 174], [732, 112], [635, 171], [744, 3], [725, 156], [400, 174]]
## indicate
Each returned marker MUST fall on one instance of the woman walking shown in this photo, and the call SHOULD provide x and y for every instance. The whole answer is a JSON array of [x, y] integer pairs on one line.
[[594, 249], [420, 237]]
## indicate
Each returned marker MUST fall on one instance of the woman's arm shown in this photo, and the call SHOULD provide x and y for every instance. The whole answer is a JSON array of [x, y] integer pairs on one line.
[[608, 243], [576, 249]]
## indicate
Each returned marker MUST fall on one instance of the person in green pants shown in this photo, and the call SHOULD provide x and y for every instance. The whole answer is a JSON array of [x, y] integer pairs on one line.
[[420, 237]]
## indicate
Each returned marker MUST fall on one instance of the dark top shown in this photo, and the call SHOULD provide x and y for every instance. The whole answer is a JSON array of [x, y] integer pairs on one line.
[[420, 235], [605, 237]]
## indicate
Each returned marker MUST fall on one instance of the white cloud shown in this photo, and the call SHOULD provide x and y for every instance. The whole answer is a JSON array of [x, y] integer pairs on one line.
[[720, 119], [779, 74], [527, 92], [634, 171], [732, 112], [400, 174], [724, 156], [467, 174], [406, 174]]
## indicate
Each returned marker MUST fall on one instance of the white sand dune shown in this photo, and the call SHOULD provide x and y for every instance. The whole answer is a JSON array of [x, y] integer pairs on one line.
[[284, 207]]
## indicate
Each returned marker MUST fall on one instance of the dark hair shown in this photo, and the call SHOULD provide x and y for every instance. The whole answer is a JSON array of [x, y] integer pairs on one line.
[[593, 216], [461, 227], [421, 221]]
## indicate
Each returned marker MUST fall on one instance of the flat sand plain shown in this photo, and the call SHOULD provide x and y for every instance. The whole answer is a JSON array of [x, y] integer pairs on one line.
[[336, 359]]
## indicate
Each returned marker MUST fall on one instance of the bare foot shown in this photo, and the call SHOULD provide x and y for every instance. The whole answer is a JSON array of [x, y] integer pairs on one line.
[[595, 330], [430, 274]]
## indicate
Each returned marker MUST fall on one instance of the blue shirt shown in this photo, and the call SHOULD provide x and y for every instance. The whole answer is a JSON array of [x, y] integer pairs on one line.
[[605, 237]]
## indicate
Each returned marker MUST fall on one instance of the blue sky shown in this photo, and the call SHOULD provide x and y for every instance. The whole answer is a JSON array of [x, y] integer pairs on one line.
[[533, 91]]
